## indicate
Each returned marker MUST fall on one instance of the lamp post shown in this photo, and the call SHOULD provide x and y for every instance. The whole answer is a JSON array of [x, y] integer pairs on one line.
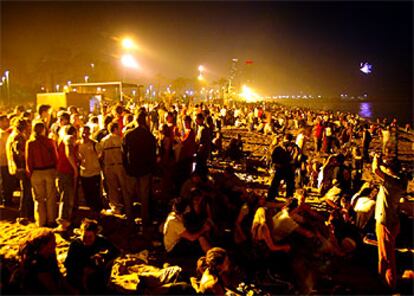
[[7, 75], [92, 71]]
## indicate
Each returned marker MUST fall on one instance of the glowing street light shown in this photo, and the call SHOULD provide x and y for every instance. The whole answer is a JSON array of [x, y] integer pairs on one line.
[[128, 43], [7, 78], [86, 78], [129, 61], [200, 73], [248, 94]]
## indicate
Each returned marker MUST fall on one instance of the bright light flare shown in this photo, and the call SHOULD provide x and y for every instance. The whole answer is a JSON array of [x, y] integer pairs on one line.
[[129, 61], [128, 43], [201, 68], [248, 94], [200, 77]]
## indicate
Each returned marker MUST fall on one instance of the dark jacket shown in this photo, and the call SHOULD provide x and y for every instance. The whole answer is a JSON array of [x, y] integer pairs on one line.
[[139, 152]]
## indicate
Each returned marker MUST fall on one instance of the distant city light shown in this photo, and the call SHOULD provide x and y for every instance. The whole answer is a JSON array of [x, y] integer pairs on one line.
[[57, 87], [86, 78], [201, 68]]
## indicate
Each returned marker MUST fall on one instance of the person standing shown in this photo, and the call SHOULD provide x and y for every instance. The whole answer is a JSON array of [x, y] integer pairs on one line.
[[203, 142], [139, 156], [283, 165], [114, 172], [186, 155], [67, 169], [387, 216], [90, 170], [7, 182], [41, 162], [16, 155], [366, 140]]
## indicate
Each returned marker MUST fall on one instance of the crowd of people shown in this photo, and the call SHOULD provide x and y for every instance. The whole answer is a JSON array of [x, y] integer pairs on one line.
[[112, 158]]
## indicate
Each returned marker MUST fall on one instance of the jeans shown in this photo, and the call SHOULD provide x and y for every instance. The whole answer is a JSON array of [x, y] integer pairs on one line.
[[117, 185], [26, 207], [144, 190], [280, 174], [44, 196], [66, 188], [8, 184], [92, 190]]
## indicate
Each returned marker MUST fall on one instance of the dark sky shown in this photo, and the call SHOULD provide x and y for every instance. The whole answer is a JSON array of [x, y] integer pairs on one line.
[[301, 46]]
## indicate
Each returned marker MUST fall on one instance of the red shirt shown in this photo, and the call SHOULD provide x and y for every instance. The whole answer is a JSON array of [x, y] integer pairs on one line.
[[40, 154], [63, 165]]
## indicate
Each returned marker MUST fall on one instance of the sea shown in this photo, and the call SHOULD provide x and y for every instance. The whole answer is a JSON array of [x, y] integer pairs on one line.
[[370, 109]]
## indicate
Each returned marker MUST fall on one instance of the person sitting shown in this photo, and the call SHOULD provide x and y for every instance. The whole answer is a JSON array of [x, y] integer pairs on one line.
[[194, 181], [263, 243], [89, 260], [245, 217], [235, 149], [38, 271], [363, 203], [199, 211], [212, 268], [178, 240]]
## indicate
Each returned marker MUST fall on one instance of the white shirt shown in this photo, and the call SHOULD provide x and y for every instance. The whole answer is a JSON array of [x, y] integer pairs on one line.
[[173, 228], [283, 225], [89, 161]]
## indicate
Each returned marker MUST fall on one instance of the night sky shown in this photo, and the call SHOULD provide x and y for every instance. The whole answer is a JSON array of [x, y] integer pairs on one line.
[[309, 47]]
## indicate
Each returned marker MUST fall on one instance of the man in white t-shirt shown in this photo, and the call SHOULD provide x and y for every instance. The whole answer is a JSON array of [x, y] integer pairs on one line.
[[90, 170], [177, 239]]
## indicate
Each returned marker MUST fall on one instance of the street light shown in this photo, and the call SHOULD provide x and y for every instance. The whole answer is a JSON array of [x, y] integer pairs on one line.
[[7, 73], [200, 72], [128, 61], [128, 43], [86, 78]]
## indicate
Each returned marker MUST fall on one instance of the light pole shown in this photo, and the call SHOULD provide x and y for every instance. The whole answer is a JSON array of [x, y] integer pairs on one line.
[[7, 73], [93, 71]]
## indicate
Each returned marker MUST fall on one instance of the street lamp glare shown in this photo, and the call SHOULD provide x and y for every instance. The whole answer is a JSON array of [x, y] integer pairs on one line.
[[128, 43], [129, 61], [201, 68]]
